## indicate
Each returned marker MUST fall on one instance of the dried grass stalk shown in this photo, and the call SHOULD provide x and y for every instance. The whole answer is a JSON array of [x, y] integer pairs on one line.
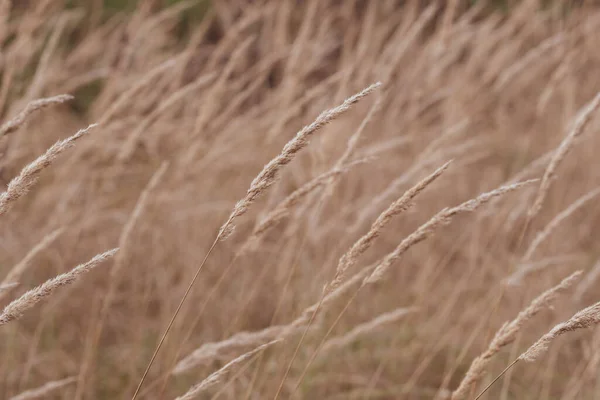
[[44, 390], [516, 278], [367, 327], [350, 258], [442, 218], [566, 145], [355, 138], [588, 281], [148, 78], [283, 209], [115, 271], [426, 159], [140, 206], [16, 308], [352, 144], [262, 182], [209, 351], [543, 234], [269, 173], [585, 318], [49, 50], [16, 271], [217, 376], [533, 55], [5, 287], [338, 292], [507, 334], [168, 103], [31, 108], [21, 184]]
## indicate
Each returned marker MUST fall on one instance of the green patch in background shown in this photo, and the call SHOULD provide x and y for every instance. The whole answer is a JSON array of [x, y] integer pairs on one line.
[[85, 96], [120, 5], [189, 17]]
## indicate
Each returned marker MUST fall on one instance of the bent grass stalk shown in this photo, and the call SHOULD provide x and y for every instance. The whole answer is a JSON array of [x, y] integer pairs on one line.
[[366, 328], [22, 184], [585, 318], [21, 267], [442, 218], [582, 120], [44, 390], [351, 257], [541, 236], [209, 351], [36, 105], [508, 333], [565, 147], [279, 212], [263, 181], [216, 376], [283, 209], [115, 271], [18, 307]]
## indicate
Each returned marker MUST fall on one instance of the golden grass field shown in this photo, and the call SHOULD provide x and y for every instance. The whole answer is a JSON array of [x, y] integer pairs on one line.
[[321, 199]]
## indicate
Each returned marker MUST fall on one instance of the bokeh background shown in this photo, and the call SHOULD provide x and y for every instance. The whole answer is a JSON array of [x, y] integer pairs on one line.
[[212, 90]]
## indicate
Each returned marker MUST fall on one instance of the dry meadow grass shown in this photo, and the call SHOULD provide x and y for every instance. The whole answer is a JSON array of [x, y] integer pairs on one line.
[[316, 199]]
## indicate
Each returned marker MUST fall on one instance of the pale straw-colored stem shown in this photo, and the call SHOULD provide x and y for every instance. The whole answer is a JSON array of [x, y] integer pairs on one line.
[[351, 146], [507, 334], [268, 175], [588, 281], [283, 209], [584, 117], [516, 278], [263, 181], [44, 390], [350, 258], [115, 274], [552, 225], [5, 287], [218, 376], [16, 271], [364, 329], [442, 218], [585, 318], [209, 351], [508, 74], [144, 81]]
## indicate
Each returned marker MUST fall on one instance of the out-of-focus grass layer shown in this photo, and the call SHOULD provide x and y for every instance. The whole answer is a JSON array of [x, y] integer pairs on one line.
[[189, 17], [112, 6]]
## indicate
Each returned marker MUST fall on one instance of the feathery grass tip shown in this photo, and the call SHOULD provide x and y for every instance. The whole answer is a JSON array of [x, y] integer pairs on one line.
[[18, 307], [36, 105], [20, 185], [216, 376], [269, 173], [508, 333]]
